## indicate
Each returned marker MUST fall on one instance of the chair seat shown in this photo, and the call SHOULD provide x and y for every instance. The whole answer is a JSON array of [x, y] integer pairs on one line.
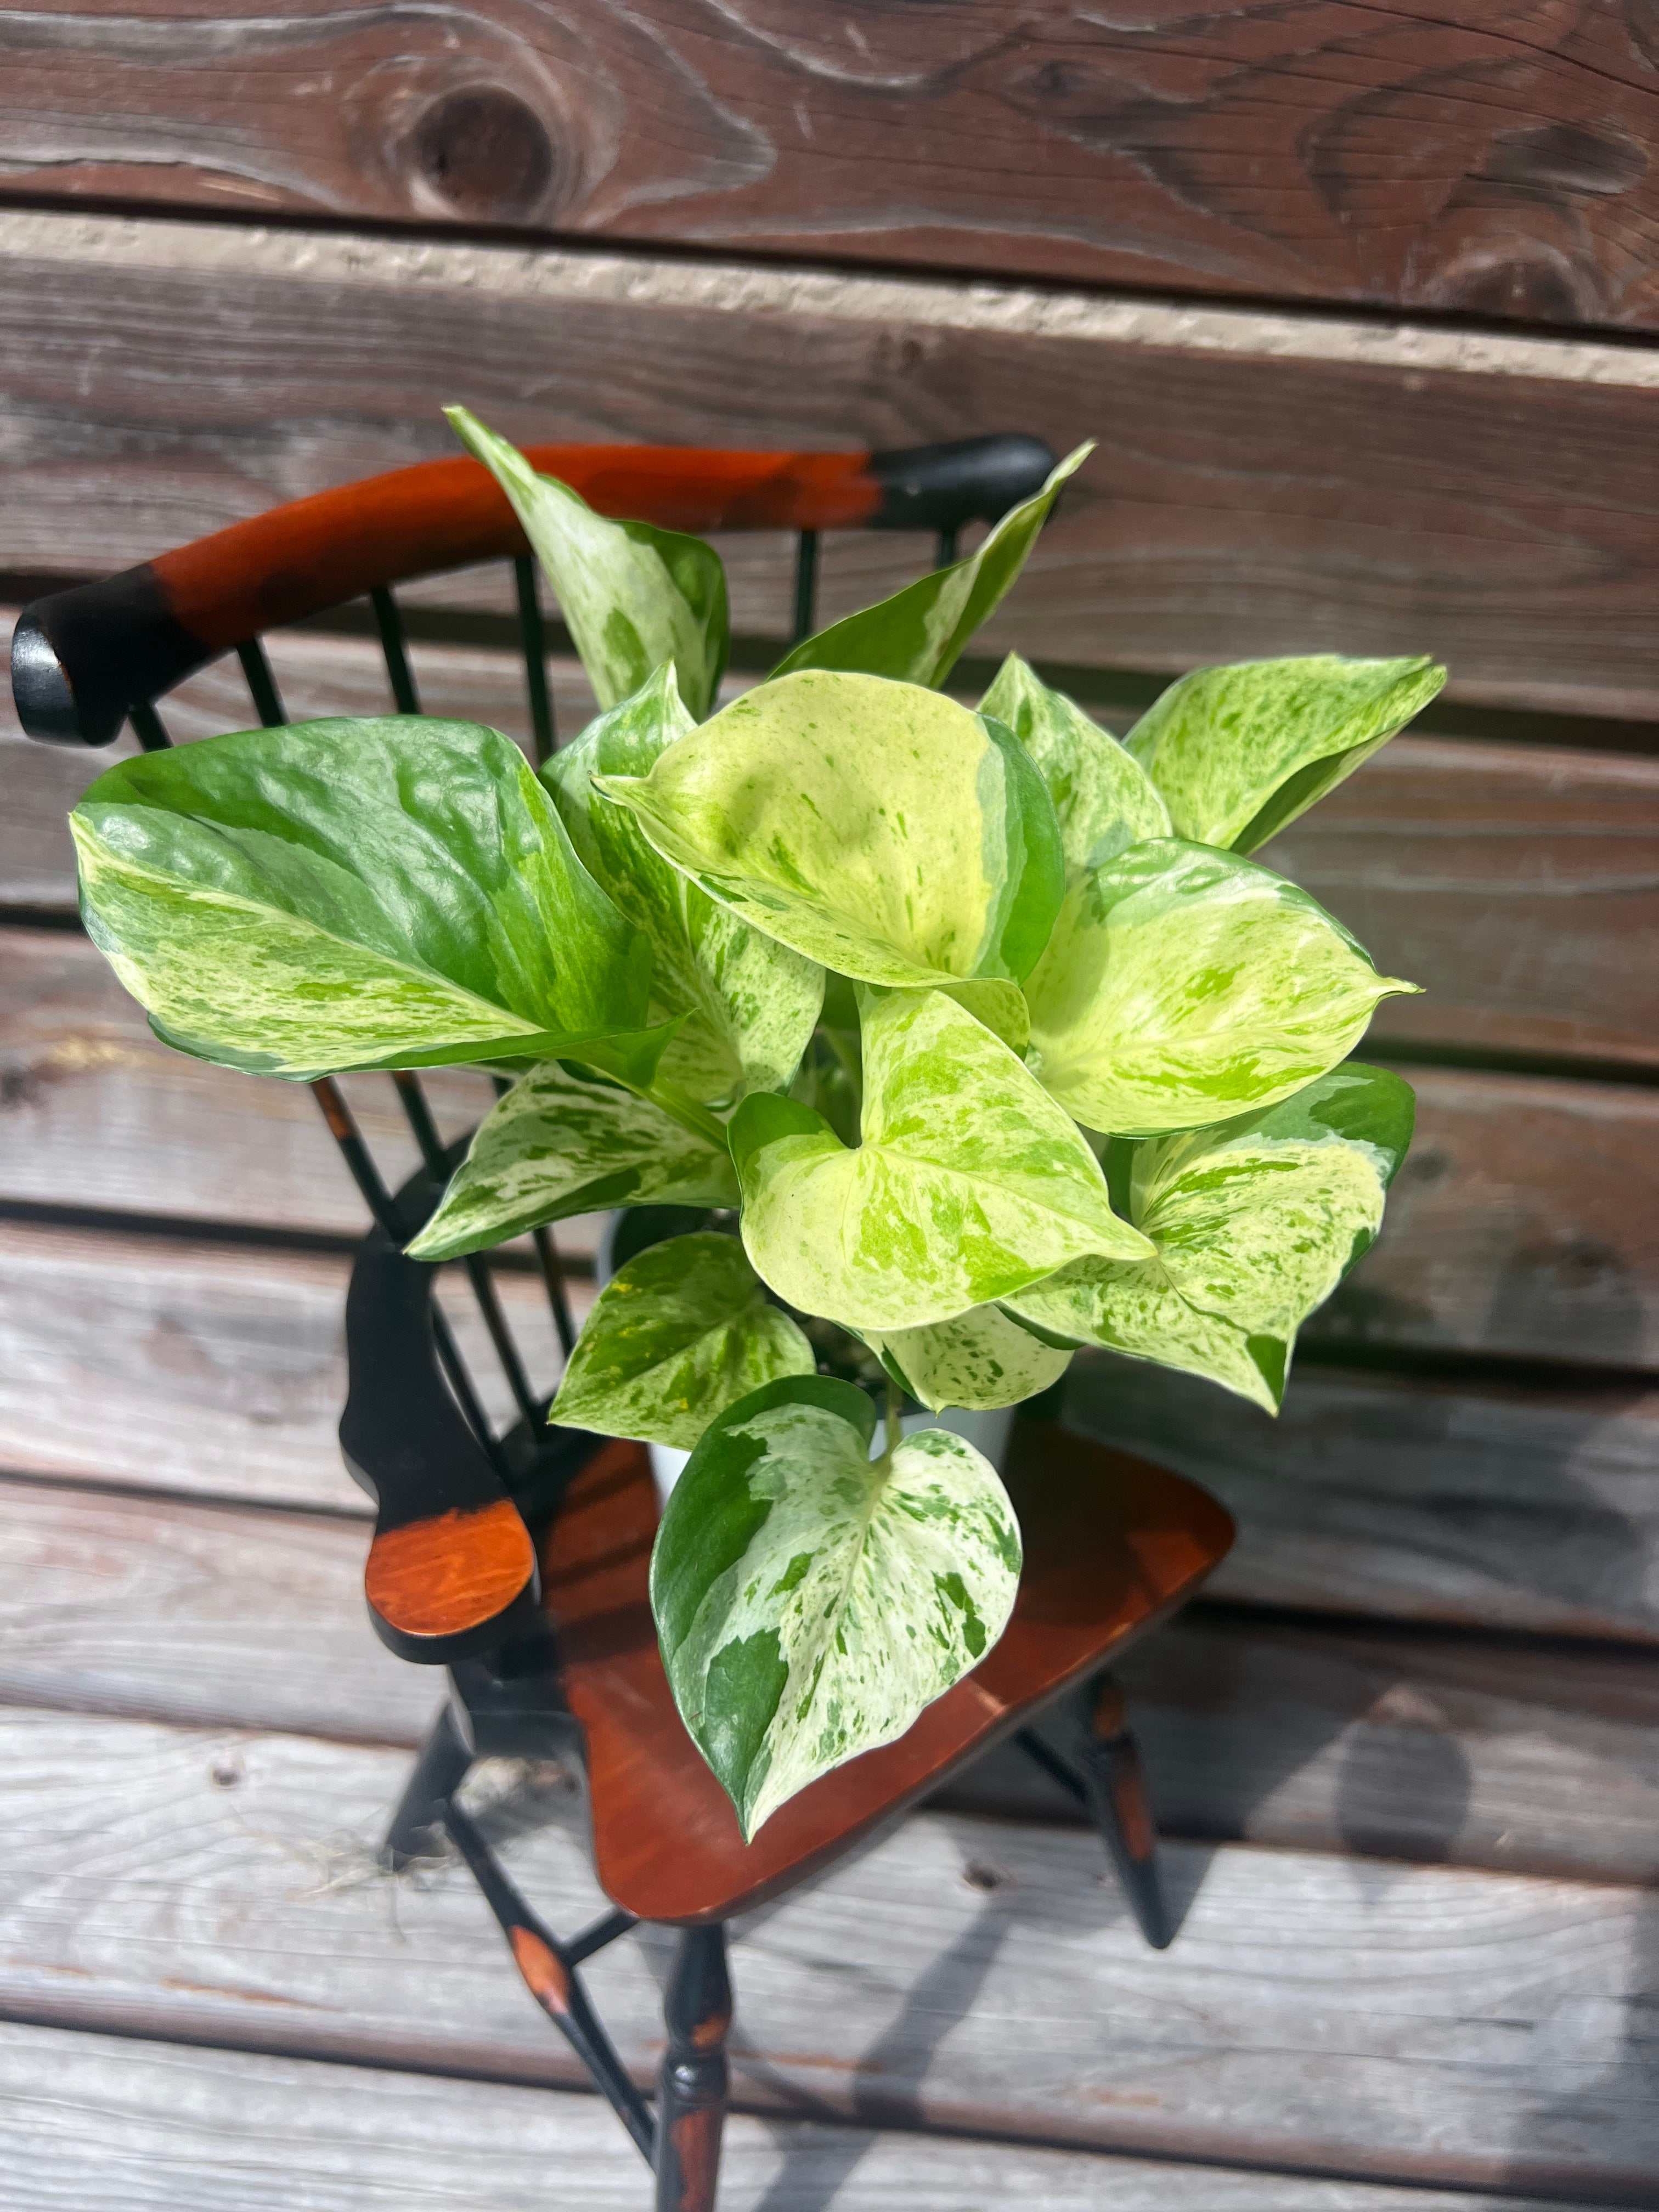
[[1113, 1545]]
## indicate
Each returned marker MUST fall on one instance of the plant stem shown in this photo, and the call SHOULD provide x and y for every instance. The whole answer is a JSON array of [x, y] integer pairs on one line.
[[895, 1402]]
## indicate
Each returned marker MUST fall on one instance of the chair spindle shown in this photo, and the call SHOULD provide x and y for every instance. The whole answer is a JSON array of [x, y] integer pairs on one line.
[[424, 1129], [532, 637], [262, 684], [389, 621], [147, 727]]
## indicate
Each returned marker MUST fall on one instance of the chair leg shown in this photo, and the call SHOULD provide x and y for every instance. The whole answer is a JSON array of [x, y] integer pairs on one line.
[[692, 2084], [439, 1770], [1116, 1787]]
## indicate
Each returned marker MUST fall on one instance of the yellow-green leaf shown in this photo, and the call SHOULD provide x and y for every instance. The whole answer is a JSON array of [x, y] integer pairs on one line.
[[969, 1181], [811, 1601], [678, 1334], [1103, 798], [560, 1143], [632, 596], [1183, 985], [751, 1002], [880, 829], [394, 893], [1237, 752], [1254, 1223], [919, 634]]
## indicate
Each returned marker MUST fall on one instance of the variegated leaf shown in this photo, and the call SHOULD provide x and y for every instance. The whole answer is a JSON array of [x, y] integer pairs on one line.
[[1237, 752], [969, 1182], [677, 1336], [632, 596], [1254, 1223], [559, 1144], [879, 829], [1183, 985], [336, 894], [810, 1601], [1103, 798], [752, 1001], [919, 634], [983, 1359]]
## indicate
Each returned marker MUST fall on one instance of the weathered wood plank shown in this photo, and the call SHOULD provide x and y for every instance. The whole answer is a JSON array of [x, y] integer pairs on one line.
[[1523, 1223], [1516, 1505], [1399, 1745], [316, 675], [1518, 884], [97, 1112], [212, 1370], [1487, 160], [1317, 2015], [112, 2125], [1519, 1226], [1250, 496]]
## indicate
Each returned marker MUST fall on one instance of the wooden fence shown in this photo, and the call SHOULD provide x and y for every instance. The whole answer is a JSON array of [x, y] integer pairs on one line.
[[1359, 301]]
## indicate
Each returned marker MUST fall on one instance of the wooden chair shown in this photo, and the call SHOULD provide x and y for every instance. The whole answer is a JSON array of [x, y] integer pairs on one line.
[[518, 1561]]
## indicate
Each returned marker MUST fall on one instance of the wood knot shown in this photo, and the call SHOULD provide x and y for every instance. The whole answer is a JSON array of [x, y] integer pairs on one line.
[[485, 153]]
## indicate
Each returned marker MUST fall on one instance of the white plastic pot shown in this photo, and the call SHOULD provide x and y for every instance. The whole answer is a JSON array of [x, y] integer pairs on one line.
[[988, 1433]]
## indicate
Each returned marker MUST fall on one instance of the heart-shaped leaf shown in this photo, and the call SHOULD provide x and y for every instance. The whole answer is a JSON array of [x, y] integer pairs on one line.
[[337, 895], [1237, 752], [1103, 799], [919, 634], [1254, 1223], [752, 1001], [880, 829], [632, 596], [1183, 985], [810, 1601], [559, 1144], [969, 1181], [983, 1359], [677, 1336]]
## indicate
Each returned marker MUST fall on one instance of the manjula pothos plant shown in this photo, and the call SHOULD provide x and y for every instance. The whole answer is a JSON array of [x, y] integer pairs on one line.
[[976, 1033]]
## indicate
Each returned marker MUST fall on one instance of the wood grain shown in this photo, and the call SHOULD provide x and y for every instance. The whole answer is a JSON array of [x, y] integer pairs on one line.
[[1485, 159], [212, 1371], [115, 2126], [1523, 1223], [1360, 1739], [1112, 1546], [1242, 502], [1518, 884], [1525, 1505], [217, 1370], [1314, 2015], [97, 1112]]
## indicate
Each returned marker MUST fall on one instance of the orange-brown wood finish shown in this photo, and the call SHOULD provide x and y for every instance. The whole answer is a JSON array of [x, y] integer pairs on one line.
[[319, 552], [1112, 1545], [452, 1572]]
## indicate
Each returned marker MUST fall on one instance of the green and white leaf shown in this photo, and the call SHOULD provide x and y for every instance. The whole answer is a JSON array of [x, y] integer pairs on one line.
[[879, 829], [677, 1336], [1103, 798], [983, 1359], [335, 895], [918, 634], [811, 1602], [752, 1001], [1254, 1223], [1237, 752], [969, 1182], [632, 596], [1182, 986], [560, 1143]]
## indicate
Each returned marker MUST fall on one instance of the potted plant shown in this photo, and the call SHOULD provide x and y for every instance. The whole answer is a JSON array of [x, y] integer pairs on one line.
[[959, 1037]]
